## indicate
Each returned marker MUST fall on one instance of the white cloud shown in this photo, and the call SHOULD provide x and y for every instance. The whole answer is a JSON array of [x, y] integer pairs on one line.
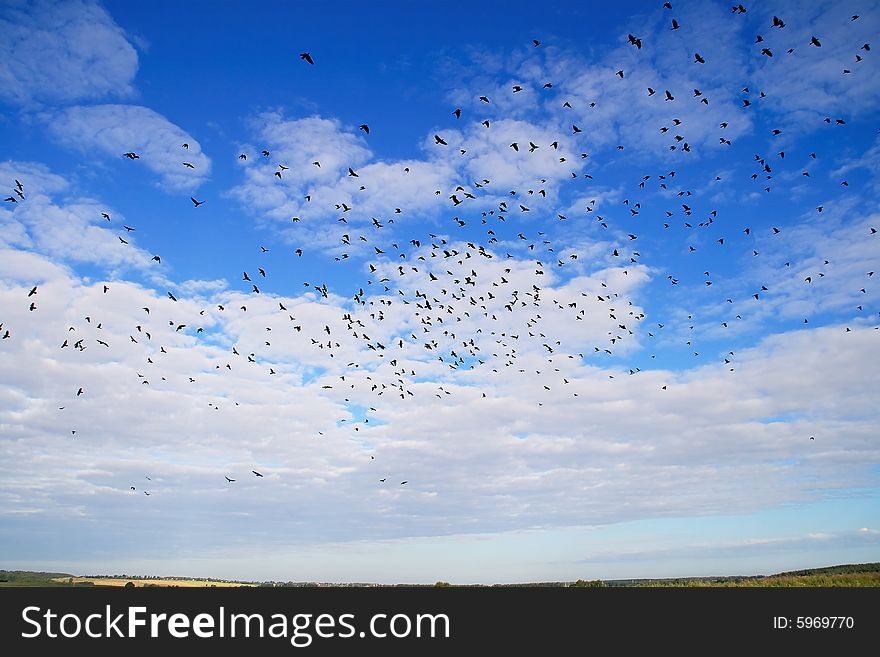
[[610, 110], [114, 130], [613, 446], [70, 230], [62, 52], [804, 85]]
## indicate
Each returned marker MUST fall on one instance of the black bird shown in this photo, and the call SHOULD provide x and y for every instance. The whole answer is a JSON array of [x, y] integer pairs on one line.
[[439, 140], [229, 480], [307, 57], [256, 473], [365, 128], [195, 202]]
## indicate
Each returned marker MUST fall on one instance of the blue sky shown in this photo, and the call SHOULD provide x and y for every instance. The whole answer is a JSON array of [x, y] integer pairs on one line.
[[640, 342]]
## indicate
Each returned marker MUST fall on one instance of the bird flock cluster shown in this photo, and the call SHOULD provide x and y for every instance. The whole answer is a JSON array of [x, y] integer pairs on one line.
[[451, 290]]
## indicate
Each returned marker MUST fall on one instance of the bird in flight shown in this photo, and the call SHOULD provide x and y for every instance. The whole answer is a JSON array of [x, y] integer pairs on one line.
[[229, 480], [256, 473], [307, 57], [195, 202]]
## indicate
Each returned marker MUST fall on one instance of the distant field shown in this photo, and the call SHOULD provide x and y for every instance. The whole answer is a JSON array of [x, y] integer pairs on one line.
[[847, 575], [115, 581], [789, 581], [21, 578]]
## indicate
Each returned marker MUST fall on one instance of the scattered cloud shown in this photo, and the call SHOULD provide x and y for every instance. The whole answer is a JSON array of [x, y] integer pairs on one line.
[[90, 55], [113, 130]]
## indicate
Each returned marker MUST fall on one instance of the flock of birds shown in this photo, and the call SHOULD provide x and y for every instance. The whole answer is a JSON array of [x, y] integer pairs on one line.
[[449, 286]]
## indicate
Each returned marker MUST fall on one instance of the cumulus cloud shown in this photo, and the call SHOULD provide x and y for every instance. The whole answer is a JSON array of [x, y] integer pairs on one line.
[[174, 403], [90, 54], [113, 130], [68, 229]]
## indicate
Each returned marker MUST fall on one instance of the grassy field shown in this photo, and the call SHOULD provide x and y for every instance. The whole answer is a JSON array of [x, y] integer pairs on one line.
[[789, 581], [848, 575], [18, 578]]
